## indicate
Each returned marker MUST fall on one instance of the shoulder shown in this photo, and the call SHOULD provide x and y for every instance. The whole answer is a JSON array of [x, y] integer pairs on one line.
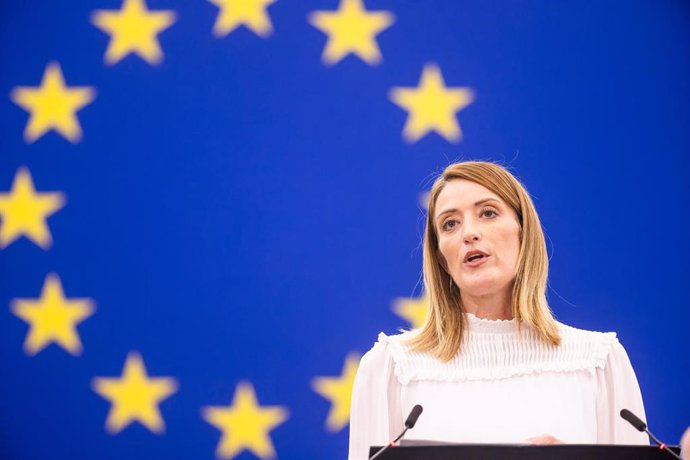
[[589, 347], [385, 356], [386, 350], [574, 333], [398, 346], [379, 354], [377, 368]]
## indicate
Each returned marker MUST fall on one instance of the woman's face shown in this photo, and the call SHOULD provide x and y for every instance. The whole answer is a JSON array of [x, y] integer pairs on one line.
[[478, 238]]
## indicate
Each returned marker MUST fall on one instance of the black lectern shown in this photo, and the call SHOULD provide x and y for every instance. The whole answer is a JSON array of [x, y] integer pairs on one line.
[[434, 451]]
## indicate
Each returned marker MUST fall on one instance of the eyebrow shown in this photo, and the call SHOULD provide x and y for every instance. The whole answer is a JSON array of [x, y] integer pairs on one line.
[[477, 203]]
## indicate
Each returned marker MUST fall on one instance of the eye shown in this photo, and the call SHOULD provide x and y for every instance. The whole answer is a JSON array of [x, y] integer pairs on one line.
[[449, 225], [488, 212]]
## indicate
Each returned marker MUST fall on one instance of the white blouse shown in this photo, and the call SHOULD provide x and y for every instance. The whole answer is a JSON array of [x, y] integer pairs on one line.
[[503, 387]]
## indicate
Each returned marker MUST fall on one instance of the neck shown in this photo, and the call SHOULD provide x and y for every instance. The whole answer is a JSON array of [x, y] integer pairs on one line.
[[491, 306]]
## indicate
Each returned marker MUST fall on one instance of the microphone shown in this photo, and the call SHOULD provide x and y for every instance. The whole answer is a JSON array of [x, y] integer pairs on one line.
[[409, 424], [642, 426], [633, 420], [412, 418]]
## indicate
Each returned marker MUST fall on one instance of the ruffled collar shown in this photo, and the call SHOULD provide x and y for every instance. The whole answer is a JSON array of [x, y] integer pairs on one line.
[[494, 350], [483, 325]]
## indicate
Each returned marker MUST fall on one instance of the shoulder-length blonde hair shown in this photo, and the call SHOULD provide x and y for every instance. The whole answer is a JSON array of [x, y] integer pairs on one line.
[[443, 330]]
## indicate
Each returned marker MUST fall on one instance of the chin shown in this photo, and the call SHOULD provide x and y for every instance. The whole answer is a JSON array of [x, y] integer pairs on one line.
[[478, 292], [484, 286]]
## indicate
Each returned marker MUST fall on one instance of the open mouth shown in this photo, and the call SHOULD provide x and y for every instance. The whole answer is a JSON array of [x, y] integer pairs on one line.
[[475, 257]]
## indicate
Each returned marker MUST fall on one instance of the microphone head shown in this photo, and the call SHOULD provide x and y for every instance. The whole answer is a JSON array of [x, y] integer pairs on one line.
[[414, 415], [633, 420]]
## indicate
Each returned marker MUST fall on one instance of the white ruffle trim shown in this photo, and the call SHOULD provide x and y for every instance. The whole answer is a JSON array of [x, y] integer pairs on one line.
[[502, 354]]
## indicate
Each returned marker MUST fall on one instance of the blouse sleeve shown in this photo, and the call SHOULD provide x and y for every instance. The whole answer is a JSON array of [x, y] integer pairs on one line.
[[375, 408], [618, 389]]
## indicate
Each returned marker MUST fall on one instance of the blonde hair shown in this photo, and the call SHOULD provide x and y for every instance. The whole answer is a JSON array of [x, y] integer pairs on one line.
[[444, 328]]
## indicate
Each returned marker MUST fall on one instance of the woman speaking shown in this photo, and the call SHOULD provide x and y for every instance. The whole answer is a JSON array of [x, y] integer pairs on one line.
[[491, 364]]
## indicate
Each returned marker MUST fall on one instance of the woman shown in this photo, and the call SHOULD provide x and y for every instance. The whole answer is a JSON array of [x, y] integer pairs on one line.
[[491, 364]]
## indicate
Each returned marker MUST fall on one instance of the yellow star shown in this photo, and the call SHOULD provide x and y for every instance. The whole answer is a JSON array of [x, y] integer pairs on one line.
[[245, 424], [133, 29], [432, 106], [134, 396], [351, 29], [23, 212], [339, 391], [412, 310], [249, 13], [52, 105], [52, 318]]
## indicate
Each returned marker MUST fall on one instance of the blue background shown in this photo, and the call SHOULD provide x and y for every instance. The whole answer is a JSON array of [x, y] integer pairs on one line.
[[243, 212]]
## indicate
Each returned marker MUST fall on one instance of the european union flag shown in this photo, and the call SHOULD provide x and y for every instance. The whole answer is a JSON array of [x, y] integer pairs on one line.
[[209, 209]]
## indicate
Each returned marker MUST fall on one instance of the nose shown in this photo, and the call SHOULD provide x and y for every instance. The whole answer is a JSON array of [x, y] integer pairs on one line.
[[471, 232]]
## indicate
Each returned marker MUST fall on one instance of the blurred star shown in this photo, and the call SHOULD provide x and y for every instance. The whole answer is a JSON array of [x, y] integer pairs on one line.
[[351, 30], [134, 396], [412, 310], [52, 318], [245, 424], [249, 13], [133, 29], [338, 390], [23, 211], [52, 105], [432, 106]]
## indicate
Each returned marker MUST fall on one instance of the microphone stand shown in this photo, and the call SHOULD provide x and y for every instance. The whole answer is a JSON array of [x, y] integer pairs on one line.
[[641, 426], [662, 445], [409, 423], [391, 444]]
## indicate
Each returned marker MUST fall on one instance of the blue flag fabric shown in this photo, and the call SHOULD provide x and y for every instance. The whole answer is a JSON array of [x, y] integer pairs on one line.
[[208, 210]]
